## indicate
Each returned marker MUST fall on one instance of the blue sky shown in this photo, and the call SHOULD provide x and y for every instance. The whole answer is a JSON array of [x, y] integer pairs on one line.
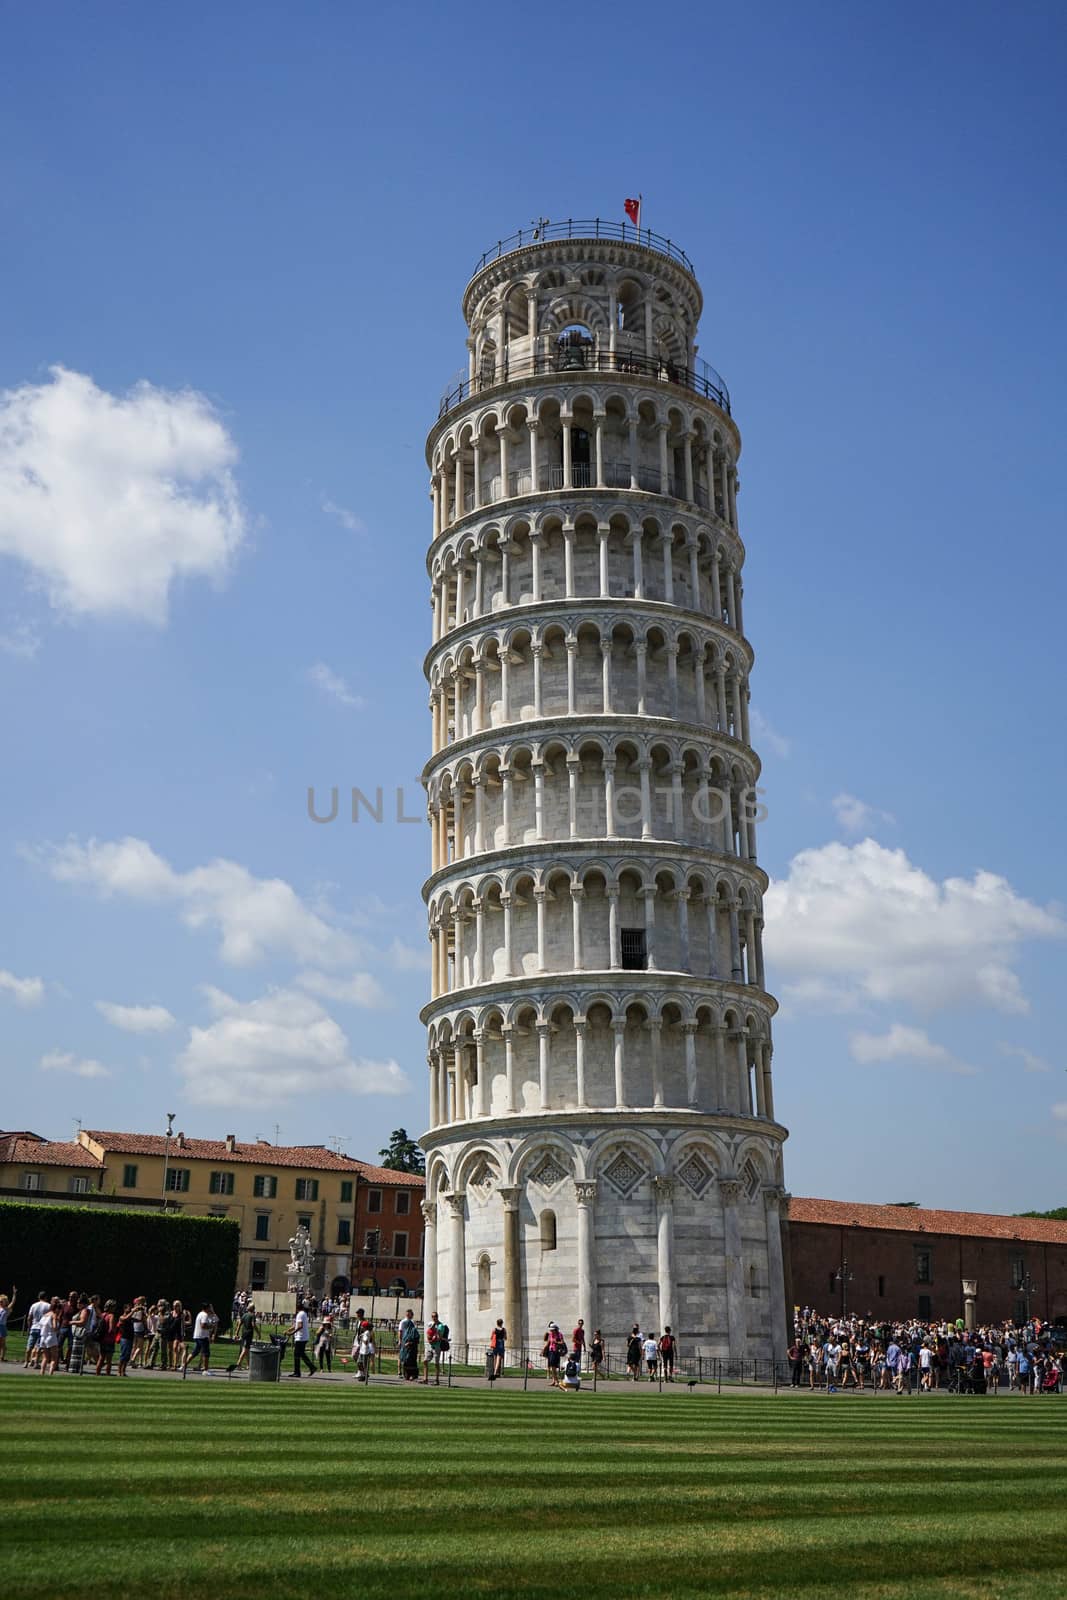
[[242, 233]]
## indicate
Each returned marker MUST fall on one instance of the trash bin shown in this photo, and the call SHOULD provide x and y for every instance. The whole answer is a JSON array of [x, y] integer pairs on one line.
[[265, 1363]]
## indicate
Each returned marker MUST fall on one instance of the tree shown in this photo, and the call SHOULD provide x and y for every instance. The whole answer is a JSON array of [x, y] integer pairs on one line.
[[403, 1154], [1059, 1214]]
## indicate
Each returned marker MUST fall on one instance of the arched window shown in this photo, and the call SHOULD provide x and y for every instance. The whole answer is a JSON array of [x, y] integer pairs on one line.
[[548, 1230], [753, 1286], [485, 1283]]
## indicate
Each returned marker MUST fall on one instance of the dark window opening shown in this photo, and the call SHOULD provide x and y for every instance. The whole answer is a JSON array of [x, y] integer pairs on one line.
[[925, 1307], [881, 1287], [634, 952], [259, 1275], [923, 1271]]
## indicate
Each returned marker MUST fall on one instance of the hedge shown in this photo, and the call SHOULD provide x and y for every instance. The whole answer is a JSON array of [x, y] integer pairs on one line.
[[117, 1253]]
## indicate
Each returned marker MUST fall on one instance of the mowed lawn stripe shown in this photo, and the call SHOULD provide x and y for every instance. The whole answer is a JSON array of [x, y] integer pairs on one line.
[[196, 1487]]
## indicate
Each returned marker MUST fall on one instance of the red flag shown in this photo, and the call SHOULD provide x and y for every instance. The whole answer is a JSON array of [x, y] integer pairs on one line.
[[633, 211]]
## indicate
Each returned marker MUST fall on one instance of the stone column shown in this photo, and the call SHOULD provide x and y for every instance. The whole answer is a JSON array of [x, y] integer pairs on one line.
[[572, 679], [512, 1270], [435, 1114], [663, 1189], [682, 897], [540, 896], [429, 1257], [505, 805], [568, 562], [619, 1030], [689, 1030], [644, 767], [457, 1271], [698, 685], [509, 1066], [641, 651], [639, 577], [715, 609], [723, 1098], [633, 453], [672, 678], [667, 542], [574, 768], [687, 445], [736, 1319], [579, 1057], [585, 1197], [533, 426], [605, 686], [780, 1320], [970, 1295], [505, 906], [736, 972], [539, 798], [598, 423], [535, 565], [654, 1029], [479, 940], [664, 468], [478, 782], [544, 1034], [614, 952], [442, 1085], [609, 797], [720, 698], [568, 474], [603, 531], [537, 651], [649, 897], [577, 896], [482, 1086]]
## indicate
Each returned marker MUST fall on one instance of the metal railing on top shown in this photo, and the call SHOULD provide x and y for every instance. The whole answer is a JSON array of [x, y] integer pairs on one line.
[[575, 358], [598, 228]]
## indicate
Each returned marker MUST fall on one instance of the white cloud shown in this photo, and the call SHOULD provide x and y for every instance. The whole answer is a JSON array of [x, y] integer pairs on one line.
[[254, 917], [765, 734], [24, 991], [334, 686], [408, 958], [277, 1047], [359, 989], [109, 500], [21, 641], [858, 923], [346, 518], [1031, 1063], [913, 1045], [67, 1061], [856, 816], [136, 1019]]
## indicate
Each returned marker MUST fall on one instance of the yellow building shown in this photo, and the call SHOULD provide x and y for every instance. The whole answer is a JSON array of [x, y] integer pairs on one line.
[[269, 1189]]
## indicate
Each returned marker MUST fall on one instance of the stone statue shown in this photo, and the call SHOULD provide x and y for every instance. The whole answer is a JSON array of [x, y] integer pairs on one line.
[[301, 1260]]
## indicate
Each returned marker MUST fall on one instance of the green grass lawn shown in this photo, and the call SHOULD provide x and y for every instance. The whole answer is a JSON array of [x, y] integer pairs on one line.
[[209, 1488]]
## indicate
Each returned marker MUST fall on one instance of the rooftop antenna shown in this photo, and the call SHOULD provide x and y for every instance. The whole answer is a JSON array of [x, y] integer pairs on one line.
[[77, 1128], [338, 1142], [277, 1132]]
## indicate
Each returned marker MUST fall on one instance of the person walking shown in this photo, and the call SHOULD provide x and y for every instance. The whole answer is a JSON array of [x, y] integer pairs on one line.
[[300, 1332], [107, 1333], [408, 1348], [124, 1330], [7, 1305], [247, 1328], [498, 1341], [33, 1328], [650, 1349], [555, 1347], [49, 1340], [433, 1351], [578, 1342], [597, 1352], [202, 1330], [633, 1354], [668, 1346], [324, 1343], [796, 1363], [365, 1352]]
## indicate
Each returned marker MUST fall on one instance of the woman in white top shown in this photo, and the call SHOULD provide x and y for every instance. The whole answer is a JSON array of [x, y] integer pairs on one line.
[[49, 1326], [366, 1355]]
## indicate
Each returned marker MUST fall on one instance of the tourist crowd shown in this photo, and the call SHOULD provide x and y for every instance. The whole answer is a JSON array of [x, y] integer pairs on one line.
[[912, 1356]]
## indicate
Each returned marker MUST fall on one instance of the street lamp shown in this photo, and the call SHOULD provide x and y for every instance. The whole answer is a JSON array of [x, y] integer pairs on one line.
[[844, 1277], [1027, 1284], [166, 1153]]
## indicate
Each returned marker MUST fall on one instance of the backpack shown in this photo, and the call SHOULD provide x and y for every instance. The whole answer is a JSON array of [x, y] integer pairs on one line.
[[442, 1338], [571, 1369]]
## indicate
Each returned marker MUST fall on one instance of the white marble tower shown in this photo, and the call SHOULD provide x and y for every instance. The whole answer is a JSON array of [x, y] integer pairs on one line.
[[602, 1138]]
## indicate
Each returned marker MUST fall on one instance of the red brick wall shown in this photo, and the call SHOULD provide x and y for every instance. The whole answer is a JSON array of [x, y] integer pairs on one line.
[[818, 1249], [387, 1265]]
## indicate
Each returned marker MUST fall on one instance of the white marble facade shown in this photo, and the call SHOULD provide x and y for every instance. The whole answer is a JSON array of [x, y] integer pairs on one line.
[[602, 1138]]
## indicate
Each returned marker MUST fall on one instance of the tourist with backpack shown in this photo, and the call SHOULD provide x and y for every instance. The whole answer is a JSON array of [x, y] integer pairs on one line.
[[668, 1347], [437, 1347], [633, 1354], [554, 1350]]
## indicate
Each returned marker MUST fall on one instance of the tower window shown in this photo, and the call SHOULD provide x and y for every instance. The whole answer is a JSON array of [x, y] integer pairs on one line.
[[634, 950], [485, 1283], [548, 1230]]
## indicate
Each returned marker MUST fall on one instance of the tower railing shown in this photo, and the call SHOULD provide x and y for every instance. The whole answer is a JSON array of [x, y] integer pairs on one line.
[[574, 358], [597, 228]]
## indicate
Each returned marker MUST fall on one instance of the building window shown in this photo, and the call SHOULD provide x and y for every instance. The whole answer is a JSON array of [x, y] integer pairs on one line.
[[344, 1231], [548, 1230], [1018, 1271], [304, 1222], [374, 1200], [403, 1202], [221, 1183], [923, 1267], [259, 1274], [219, 1211], [177, 1180], [833, 1282], [372, 1241], [346, 1191], [1020, 1313], [79, 1186], [881, 1287], [400, 1244], [129, 1175], [264, 1187], [263, 1225], [307, 1188], [925, 1307], [31, 1180], [485, 1283], [634, 951]]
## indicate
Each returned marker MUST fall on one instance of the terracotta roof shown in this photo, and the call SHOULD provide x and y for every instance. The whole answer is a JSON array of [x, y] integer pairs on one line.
[[33, 1152], [386, 1175], [310, 1157], [916, 1219]]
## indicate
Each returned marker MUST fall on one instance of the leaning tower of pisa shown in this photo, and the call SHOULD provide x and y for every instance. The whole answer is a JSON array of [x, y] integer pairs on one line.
[[602, 1138]]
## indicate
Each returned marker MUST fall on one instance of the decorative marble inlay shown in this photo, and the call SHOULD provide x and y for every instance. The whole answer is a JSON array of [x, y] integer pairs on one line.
[[624, 1173], [548, 1173], [695, 1174], [751, 1180], [481, 1180]]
